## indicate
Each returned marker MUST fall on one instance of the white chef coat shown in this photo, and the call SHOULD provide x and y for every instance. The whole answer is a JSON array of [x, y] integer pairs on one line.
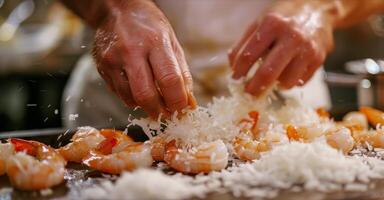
[[206, 29]]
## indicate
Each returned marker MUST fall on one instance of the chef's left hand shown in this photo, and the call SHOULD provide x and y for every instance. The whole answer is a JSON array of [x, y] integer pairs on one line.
[[293, 39]]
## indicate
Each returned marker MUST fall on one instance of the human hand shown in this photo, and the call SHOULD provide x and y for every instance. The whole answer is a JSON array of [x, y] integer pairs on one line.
[[292, 38], [139, 57]]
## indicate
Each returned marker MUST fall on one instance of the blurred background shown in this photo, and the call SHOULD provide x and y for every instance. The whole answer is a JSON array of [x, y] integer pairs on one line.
[[41, 41]]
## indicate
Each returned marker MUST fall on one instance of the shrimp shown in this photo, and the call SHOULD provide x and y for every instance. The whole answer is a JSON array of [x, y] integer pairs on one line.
[[375, 138], [212, 156], [6, 151], [374, 116], [305, 133], [85, 139], [158, 148], [88, 138], [338, 138], [250, 124], [245, 145], [114, 157], [355, 121], [323, 113], [121, 138], [247, 148], [341, 139], [35, 166]]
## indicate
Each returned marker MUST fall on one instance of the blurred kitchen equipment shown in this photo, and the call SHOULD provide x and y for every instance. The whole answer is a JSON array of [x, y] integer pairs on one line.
[[24, 44], [367, 76]]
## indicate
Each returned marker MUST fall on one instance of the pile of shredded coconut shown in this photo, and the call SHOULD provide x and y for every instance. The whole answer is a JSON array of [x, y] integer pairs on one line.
[[219, 120], [309, 166], [145, 184], [303, 166]]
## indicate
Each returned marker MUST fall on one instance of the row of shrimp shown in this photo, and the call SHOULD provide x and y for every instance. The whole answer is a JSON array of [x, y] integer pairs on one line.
[[31, 165], [108, 150], [113, 152], [352, 131]]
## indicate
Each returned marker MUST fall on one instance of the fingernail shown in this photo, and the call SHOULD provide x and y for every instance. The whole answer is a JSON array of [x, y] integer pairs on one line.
[[192, 101]]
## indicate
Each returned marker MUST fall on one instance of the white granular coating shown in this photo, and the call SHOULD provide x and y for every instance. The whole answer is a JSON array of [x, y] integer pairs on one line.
[[310, 166], [145, 184]]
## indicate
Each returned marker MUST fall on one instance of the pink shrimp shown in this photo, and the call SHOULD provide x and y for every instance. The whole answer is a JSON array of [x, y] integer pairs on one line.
[[35, 166], [212, 156], [115, 156]]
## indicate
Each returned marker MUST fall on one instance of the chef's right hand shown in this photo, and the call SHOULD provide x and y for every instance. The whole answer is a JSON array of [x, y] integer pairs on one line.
[[139, 57]]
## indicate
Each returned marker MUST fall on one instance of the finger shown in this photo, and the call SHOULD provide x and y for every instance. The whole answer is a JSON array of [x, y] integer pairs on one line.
[[293, 73], [317, 61], [142, 84], [308, 74], [234, 51], [122, 88], [273, 66], [258, 43], [187, 76], [169, 77]]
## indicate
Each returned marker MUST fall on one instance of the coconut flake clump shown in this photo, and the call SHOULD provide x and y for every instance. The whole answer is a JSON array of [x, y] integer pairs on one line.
[[219, 120], [144, 184], [315, 166]]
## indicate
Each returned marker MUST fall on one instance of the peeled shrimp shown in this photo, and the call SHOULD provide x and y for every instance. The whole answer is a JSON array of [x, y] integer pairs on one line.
[[375, 138], [114, 156], [247, 148], [250, 124], [245, 145], [6, 151], [36, 166], [85, 139], [207, 157], [355, 121], [158, 148], [341, 139], [374, 116], [305, 133], [88, 138], [323, 113]]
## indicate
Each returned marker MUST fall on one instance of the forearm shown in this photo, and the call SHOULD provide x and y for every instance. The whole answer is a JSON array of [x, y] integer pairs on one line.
[[349, 12]]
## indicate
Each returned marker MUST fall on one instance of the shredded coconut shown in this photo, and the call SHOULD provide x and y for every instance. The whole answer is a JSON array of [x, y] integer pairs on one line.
[[289, 165], [297, 166], [145, 184], [220, 118]]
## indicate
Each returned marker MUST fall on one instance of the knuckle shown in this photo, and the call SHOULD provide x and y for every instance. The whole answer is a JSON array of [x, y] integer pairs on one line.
[[177, 103], [169, 79], [159, 37], [144, 96]]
